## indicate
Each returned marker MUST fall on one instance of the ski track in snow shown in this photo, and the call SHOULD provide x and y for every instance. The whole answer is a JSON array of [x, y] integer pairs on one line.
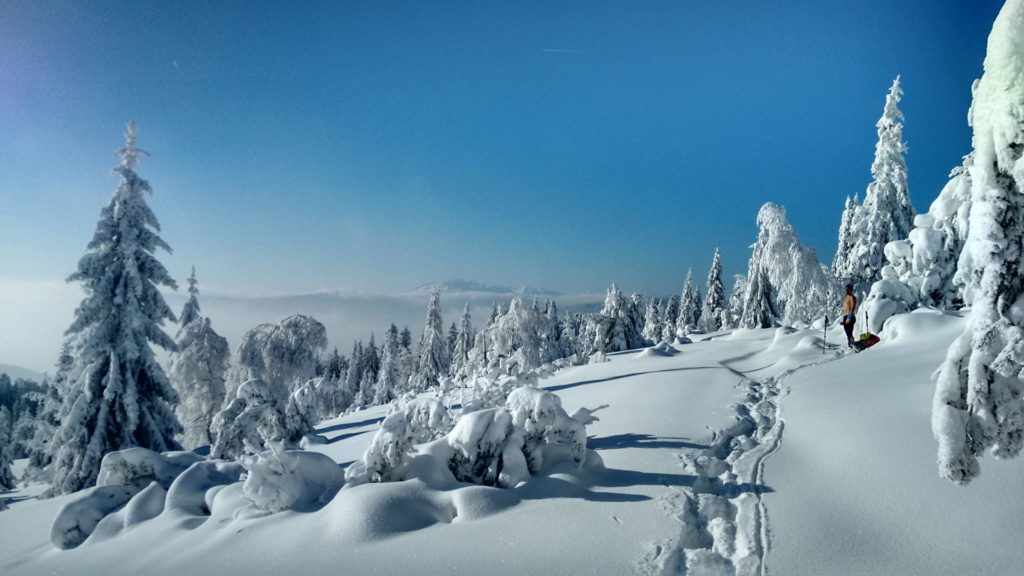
[[723, 519]]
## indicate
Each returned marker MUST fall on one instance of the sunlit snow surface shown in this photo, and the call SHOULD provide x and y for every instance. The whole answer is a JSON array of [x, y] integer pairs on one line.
[[753, 446]]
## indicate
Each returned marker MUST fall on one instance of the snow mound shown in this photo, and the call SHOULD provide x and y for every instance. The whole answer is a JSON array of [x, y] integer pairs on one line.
[[281, 480], [77, 519], [137, 467], [920, 325], [191, 492], [659, 350]]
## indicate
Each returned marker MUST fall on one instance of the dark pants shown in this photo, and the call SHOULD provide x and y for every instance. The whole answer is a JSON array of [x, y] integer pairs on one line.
[[848, 323]]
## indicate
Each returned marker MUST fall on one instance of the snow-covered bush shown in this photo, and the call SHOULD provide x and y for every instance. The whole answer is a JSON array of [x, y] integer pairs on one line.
[[247, 422], [538, 416], [486, 450], [428, 419], [385, 457], [887, 298], [280, 479], [302, 412]]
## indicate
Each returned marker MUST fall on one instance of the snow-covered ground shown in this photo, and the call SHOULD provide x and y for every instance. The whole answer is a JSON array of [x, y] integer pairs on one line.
[[756, 448]]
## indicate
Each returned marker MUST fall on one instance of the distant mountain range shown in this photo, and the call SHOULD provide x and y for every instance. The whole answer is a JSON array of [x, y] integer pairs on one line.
[[473, 287], [17, 372]]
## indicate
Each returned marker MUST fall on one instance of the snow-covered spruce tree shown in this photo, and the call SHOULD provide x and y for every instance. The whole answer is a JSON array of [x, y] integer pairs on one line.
[[652, 321], [197, 371], [284, 356], [979, 396], [759, 303], [613, 323], [514, 344], [190, 311], [841, 261], [668, 319], [389, 385], [713, 312], [887, 213], [356, 366], [117, 394], [689, 307], [635, 322], [463, 344], [7, 480], [736, 300], [433, 357], [371, 368]]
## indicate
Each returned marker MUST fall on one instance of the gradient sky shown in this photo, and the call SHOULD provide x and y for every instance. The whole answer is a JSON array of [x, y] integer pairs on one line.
[[375, 146]]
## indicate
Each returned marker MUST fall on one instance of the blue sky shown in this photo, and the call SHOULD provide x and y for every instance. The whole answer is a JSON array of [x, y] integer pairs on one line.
[[375, 146]]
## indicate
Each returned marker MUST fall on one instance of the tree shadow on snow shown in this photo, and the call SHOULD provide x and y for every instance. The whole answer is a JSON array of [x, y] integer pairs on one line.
[[640, 441], [621, 376], [341, 437], [348, 425]]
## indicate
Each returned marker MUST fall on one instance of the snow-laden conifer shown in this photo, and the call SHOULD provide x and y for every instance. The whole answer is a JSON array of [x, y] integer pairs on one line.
[[713, 312], [759, 303], [652, 321], [197, 370], [389, 385], [433, 353], [117, 394], [190, 311], [689, 307], [886, 213], [7, 479], [979, 397], [841, 261], [736, 300], [247, 422], [464, 340], [668, 319]]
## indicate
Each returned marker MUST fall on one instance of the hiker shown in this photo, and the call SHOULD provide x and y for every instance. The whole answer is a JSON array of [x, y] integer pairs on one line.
[[849, 314]]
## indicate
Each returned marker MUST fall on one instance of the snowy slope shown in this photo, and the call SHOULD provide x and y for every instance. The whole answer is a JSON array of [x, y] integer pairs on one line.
[[844, 483]]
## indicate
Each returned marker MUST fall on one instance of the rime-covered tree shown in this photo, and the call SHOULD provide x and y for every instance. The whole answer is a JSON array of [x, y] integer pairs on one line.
[[613, 322], [190, 311], [759, 303], [841, 261], [197, 370], [433, 358], [7, 480], [117, 394], [668, 319], [356, 367], [652, 321], [689, 307], [736, 300], [886, 213], [979, 396], [800, 287], [284, 356], [464, 340], [713, 312], [388, 385]]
